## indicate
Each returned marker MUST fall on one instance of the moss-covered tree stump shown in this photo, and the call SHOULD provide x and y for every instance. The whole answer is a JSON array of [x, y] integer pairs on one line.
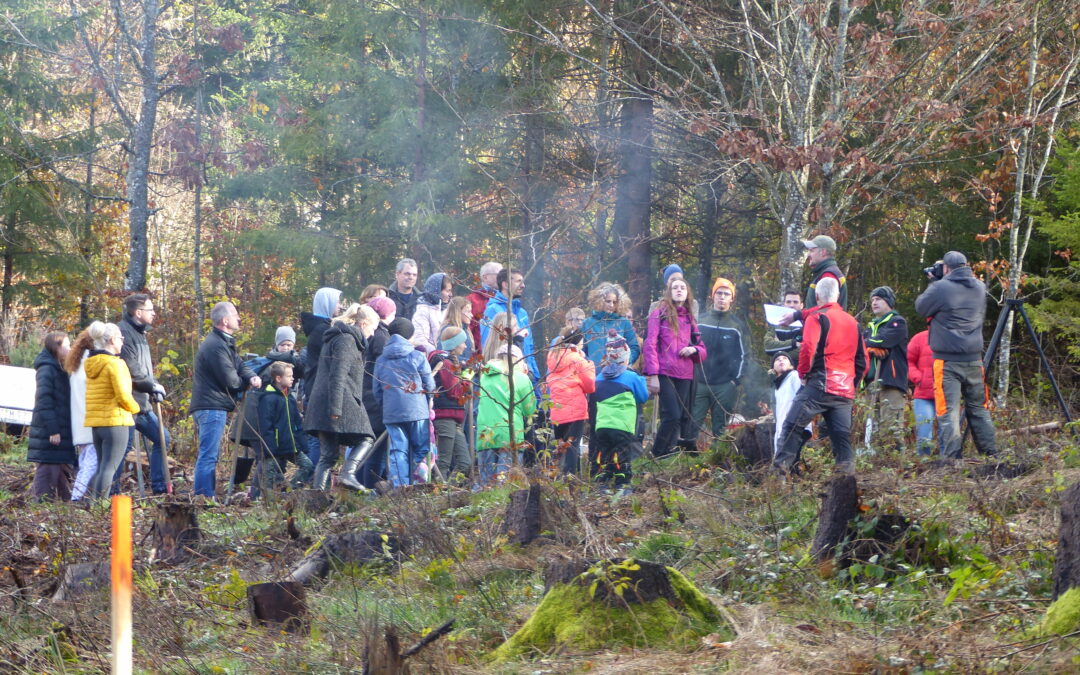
[[604, 604]]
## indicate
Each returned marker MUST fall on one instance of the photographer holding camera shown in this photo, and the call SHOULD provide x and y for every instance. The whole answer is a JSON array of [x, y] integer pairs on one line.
[[955, 306]]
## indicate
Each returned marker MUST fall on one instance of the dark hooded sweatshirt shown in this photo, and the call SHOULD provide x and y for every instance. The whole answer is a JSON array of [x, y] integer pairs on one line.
[[957, 307]]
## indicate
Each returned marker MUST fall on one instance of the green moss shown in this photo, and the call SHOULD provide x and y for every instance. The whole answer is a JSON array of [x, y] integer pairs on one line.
[[568, 615], [1063, 616]]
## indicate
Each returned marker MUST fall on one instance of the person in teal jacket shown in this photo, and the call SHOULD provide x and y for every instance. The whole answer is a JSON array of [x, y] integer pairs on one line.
[[611, 307]]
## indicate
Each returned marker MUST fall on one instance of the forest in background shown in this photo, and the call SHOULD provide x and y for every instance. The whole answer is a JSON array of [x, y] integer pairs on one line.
[[256, 151]]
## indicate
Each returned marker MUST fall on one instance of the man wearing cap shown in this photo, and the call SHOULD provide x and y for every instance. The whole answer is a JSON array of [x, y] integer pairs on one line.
[[886, 345], [955, 305], [821, 256], [717, 378]]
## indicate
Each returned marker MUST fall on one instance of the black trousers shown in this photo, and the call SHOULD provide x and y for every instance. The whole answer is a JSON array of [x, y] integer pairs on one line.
[[568, 439], [610, 451], [676, 420]]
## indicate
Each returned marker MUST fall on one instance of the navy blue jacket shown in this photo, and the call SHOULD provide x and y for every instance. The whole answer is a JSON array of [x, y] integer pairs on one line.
[[280, 426]]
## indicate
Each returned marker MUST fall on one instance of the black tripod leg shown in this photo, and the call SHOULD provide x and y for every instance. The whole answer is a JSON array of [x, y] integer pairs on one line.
[[1045, 363]]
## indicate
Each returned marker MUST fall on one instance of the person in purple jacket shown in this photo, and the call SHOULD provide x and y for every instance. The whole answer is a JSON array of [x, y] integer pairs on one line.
[[671, 350]]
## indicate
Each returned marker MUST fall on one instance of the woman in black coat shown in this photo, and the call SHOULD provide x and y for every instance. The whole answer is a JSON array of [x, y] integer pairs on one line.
[[50, 445], [335, 411]]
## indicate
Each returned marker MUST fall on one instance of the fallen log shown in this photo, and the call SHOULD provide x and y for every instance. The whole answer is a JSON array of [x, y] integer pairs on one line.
[[1067, 563], [1033, 429], [355, 548], [279, 604]]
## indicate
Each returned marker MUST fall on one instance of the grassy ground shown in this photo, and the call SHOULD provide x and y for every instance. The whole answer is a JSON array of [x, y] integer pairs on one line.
[[957, 594]]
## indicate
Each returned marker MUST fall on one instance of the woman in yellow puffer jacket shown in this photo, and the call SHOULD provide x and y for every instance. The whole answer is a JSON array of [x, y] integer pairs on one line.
[[109, 404]]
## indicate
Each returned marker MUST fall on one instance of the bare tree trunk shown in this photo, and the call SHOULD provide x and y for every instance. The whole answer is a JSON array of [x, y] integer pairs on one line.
[[633, 202], [196, 272]]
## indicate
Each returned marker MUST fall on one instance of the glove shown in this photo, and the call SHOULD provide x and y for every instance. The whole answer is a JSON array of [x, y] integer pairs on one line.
[[158, 394]]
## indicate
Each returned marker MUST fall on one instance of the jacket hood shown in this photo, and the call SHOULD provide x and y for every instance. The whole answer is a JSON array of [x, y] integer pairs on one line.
[[602, 315], [309, 322], [97, 363], [963, 276], [562, 359], [44, 358], [141, 327], [498, 365], [342, 328], [397, 347], [325, 302], [432, 294]]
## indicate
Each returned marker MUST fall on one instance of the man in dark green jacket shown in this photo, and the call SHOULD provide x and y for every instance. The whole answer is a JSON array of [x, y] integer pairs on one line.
[[886, 340]]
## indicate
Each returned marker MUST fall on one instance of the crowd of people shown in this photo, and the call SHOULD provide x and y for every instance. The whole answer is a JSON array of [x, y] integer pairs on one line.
[[411, 383]]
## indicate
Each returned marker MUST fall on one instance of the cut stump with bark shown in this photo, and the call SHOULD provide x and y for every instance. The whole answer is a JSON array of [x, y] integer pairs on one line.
[[838, 507], [604, 604], [754, 443], [1067, 563], [522, 521], [279, 604], [356, 548], [175, 530]]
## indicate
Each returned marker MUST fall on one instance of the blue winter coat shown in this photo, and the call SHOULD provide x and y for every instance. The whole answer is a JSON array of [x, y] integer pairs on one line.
[[497, 305], [595, 330], [403, 382]]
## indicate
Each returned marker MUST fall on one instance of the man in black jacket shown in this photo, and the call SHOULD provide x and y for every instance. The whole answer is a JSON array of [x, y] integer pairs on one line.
[[219, 376], [726, 346], [821, 256], [956, 308], [139, 315], [403, 291], [886, 339]]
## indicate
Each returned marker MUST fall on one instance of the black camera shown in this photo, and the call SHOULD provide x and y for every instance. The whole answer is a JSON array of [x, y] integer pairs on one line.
[[937, 270]]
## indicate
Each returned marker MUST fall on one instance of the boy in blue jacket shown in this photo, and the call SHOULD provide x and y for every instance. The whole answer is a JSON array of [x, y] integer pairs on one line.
[[618, 393], [281, 433], [404, 386]]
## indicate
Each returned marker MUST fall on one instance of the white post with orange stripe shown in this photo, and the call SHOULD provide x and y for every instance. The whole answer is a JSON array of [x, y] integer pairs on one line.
[[121, 585]]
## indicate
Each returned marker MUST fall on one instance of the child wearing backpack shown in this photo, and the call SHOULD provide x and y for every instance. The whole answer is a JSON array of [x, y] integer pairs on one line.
[[618, 393], [403, 385], [496, 407], [452, 394], [281, 433]]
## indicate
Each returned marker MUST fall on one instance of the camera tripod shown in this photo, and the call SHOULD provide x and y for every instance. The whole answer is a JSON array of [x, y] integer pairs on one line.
[[1016, 305]]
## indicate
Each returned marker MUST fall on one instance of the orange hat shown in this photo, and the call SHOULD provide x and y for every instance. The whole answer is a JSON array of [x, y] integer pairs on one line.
[[721, 282]]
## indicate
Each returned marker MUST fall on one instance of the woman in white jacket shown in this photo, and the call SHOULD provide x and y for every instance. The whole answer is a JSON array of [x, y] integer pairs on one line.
[[81, 436], [431, 311]]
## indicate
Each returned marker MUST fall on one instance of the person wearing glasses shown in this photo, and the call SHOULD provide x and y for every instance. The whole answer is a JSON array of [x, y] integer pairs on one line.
[[109, 404], [139, 315]]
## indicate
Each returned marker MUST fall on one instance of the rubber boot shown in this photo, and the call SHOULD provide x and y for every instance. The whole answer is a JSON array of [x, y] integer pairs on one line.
[[321, 481], [356, 457]]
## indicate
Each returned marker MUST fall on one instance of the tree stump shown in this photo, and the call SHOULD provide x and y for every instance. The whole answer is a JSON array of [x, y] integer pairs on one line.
[[355, 548], [522, 520], [754, 443], [1067, 563], [838, 507], [175, 529], [279, 604], [82, 578], [313, 502], [604, 604]]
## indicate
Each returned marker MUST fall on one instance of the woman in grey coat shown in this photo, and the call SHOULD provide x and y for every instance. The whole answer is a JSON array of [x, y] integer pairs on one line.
[[335, 410]]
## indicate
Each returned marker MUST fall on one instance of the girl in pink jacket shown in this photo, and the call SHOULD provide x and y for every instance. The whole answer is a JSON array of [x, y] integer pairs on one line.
[[671, 349]]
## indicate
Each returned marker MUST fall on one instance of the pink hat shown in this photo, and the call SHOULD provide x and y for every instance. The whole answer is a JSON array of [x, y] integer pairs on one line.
[[384, 307]]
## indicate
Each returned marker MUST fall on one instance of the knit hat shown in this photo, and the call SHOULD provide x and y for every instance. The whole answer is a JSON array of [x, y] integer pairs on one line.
[[284, 333], [778, 355], [384, 307], [954, 259], [721, 282], [885, 293], [616, 355], [669, 270], [401, 326], [821, 241]]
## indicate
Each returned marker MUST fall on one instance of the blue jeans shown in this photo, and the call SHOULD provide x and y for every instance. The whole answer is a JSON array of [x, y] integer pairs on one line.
[[146, 423], [313, 449], [211, 425], [925, 415], [492, 463], [409, 444]]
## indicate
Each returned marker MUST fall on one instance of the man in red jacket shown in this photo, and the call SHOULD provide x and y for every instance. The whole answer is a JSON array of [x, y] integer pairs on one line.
[[832, 362], [479, 297]]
